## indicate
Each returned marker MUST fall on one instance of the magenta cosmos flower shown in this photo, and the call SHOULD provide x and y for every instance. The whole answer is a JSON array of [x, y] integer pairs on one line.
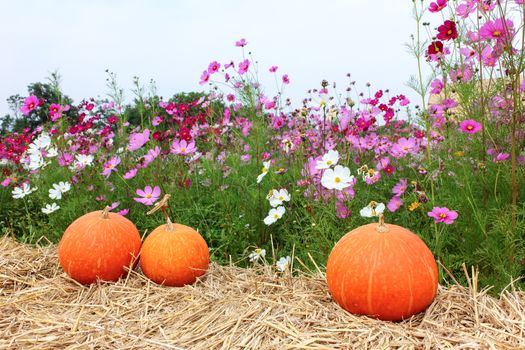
[[214, 67], [241, 43], [443, 215], [244, 66], [469, 126], [437, 6], [496, 29], [148, 196], [30, 104], [183, 147]]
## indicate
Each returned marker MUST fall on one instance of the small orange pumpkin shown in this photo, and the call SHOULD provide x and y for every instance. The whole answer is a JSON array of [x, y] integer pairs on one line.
[[383, 271], [173, 254], [99, 245]]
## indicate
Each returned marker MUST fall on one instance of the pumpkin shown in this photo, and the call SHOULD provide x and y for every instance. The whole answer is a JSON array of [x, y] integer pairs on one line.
[[383, 271], [99, 245], [173, 254]]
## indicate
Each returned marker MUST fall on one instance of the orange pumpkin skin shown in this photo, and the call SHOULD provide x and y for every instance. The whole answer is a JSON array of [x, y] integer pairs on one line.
[[176, 257], [94, 247], [387, 275]]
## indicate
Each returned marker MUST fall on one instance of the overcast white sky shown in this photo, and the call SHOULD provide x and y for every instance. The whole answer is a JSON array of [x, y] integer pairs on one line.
[[173, 42]]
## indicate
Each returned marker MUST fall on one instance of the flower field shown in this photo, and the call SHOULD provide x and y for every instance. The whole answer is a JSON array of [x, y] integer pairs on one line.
[[260, 190], [254, 173]]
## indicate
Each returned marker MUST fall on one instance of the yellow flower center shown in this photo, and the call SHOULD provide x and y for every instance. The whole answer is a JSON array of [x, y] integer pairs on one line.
[[264, 170], [281, 198], [182, 149], [337, 179], [148, 195], [329, 162], [496, 33], [443, 215]]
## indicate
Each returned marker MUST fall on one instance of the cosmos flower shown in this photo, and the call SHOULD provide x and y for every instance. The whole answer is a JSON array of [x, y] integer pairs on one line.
[[148, 196], [338, 178], [443, 215], [50, 208], [372, 209], [283, 264], [30, 104], [277, 197], [274, 215], [330, 158], [24, 190], [469, 126]]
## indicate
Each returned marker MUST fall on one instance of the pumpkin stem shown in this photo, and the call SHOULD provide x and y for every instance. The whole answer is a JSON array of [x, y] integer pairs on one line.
[[162, 205], [105, 212], [381, 227]]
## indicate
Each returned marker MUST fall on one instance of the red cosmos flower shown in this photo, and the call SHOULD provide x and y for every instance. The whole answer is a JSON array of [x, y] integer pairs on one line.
[[112, 119], [435, 48], [184, 134], [447, 31]]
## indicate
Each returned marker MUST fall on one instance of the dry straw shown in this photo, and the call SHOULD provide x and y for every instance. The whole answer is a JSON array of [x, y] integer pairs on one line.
[[230, 308]]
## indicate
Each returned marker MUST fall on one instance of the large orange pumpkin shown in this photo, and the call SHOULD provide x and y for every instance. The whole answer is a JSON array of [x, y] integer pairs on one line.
[[174, 254], [383, 271], [99, 245]]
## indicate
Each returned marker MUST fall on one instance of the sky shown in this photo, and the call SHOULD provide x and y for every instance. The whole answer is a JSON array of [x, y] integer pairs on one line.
[[172, 42]]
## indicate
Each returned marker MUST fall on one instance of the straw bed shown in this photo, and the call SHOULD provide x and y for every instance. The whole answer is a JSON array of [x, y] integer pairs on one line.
[[231, 308]]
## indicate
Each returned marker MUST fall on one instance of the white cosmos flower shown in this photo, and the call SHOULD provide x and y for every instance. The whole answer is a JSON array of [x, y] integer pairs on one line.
[[283, 263], [63, 186], [329, 159], [83, 160], [338, 178], [372, 209], [257, 254], [42, 141], [50, 208], [52, 152], [55, 192], [266, 167], [277, 198], [274, 215], [21, 192]]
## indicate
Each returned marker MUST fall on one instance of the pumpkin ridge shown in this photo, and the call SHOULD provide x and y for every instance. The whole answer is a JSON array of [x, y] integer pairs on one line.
[[409, 275]]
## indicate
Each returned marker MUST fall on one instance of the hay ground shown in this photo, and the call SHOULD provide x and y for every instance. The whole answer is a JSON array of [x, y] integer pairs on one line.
[[231, 308]]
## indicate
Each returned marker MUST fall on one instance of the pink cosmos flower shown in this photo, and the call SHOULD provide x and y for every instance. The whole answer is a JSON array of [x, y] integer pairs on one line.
[[244, 66], [157, 120], [137, 140], [183, 147], [273, 69], [151, 155], [241, 43], [246, 157], [443, 215], [394, 204], [500, 157], [214, 67], [148, 196], [437, 86], [205, 77], [123, 212], [469, 126], [437, 6], [6, 182], [286, 80], [402, 147], [400, 187], [342, 211], [488, 57], [111, 165], [30, 104], [130, 174]]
